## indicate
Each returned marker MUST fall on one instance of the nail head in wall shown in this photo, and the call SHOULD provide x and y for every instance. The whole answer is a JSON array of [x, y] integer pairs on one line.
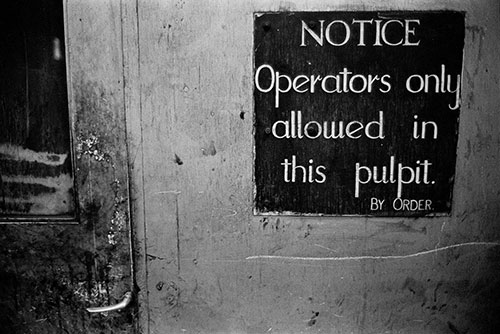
[[266, 26]]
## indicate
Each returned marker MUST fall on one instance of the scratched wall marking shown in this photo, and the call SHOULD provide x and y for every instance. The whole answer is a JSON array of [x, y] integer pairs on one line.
[[372, 257]]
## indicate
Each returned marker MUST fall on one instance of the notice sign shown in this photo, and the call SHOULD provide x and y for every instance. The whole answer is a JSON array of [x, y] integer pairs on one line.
[[356, 113]]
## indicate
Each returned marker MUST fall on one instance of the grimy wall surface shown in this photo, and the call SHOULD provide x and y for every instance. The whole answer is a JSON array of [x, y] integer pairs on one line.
[[52, 269], [207, 264]]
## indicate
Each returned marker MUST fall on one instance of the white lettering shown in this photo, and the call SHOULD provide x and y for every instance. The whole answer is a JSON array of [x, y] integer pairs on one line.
[[404, 36]]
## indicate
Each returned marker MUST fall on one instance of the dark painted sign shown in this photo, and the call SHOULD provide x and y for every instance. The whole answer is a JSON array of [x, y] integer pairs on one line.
[[356, 112]]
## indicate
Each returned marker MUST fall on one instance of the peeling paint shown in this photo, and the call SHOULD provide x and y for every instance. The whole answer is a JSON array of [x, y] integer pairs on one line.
[[117, 225], [94, 293], [209, 149], [90, 146], [172, 295]]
